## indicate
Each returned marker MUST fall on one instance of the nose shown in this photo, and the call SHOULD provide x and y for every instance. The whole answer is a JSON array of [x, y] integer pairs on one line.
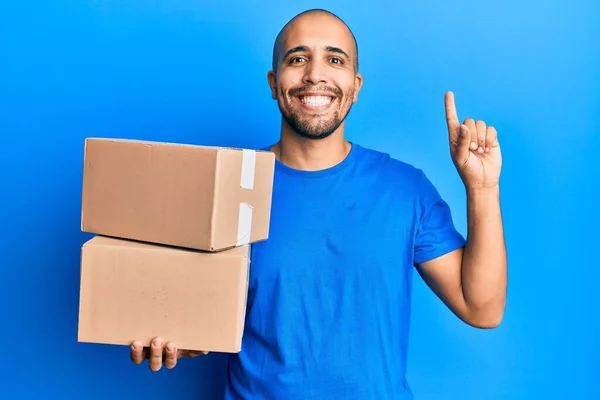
[[314, 73]]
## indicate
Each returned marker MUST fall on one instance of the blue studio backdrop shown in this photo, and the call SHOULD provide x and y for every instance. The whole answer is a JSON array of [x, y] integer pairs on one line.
[[195, 72]]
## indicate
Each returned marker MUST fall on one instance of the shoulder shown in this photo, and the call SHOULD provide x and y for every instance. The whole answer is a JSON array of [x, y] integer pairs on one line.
[[394, 170]]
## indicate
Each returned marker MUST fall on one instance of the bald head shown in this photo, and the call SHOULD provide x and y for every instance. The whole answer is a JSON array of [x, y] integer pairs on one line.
[[281, 36]]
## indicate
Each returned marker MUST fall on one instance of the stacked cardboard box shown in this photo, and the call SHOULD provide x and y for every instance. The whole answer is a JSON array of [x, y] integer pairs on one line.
[[173, 226]]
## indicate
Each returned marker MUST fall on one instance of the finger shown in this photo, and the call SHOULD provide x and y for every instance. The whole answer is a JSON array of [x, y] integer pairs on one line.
[[491, 138], [464, 141], [190, 353], [170, 355], [193, 354], [156, 354], [470, 123], [137, 352], [451, 117], [481, 133]]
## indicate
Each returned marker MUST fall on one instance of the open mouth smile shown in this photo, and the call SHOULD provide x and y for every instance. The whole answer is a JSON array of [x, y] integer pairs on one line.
[[315, 101]]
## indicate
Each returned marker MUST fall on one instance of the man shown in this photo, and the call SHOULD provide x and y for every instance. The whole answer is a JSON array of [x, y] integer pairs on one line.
[[329, 296]]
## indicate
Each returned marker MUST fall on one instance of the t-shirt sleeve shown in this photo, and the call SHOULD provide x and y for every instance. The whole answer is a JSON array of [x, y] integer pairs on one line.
[[436, 234]]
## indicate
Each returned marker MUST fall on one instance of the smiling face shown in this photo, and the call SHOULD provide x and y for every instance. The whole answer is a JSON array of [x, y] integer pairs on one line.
[[315, 82]]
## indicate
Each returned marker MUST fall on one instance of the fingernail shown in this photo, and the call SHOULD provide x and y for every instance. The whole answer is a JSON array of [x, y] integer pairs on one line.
[[170, 348], [134, 347], [157, 343]]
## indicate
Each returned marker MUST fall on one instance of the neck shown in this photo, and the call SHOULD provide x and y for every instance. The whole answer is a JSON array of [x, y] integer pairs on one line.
[[306, 154]]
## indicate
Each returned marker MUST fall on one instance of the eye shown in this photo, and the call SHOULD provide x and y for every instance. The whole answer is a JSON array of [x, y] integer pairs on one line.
[[337, 60], [294, 60]]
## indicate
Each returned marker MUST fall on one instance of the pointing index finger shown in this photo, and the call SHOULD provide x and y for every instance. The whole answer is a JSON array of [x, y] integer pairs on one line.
[[451, 116]]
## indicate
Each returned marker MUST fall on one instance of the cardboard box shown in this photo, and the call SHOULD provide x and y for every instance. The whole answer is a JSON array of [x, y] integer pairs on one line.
[[137, 291], [198, 197]]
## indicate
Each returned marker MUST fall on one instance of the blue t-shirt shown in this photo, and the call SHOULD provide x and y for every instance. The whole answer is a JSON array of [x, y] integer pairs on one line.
[[329, 294]]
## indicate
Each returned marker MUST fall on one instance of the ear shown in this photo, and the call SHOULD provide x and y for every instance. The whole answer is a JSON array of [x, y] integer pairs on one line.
[[358, 81], [272, 80]]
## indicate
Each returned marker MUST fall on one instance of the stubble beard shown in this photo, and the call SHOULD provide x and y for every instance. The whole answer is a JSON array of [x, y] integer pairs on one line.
[[313, 127]]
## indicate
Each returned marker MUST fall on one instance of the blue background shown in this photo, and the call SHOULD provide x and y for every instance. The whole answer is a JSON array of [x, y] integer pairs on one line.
[[196, 73]]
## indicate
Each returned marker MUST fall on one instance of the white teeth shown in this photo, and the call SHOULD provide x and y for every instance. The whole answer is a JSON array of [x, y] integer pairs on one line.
[[316, 101]]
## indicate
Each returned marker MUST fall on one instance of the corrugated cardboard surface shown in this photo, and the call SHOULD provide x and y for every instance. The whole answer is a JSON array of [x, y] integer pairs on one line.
[[198, 197], [137, 291]]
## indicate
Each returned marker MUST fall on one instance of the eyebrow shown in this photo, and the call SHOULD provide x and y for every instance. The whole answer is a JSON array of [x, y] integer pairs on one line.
[[337, 50], [299, 49]]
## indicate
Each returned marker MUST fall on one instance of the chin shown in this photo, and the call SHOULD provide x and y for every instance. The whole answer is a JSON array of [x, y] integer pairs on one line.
[[313, 121], [314, 136], [314, 130]]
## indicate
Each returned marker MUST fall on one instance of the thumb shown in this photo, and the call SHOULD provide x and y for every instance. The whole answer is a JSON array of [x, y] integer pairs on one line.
[[462, 148]]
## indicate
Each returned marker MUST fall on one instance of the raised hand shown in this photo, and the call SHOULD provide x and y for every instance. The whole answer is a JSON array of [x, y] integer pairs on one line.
[[159, 353], [474, 149]]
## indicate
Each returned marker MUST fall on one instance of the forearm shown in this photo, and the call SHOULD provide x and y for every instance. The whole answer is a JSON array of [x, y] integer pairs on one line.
[[484, 269]]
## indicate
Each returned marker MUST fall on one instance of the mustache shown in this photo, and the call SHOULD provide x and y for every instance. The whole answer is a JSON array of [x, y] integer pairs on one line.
[[333, 90]]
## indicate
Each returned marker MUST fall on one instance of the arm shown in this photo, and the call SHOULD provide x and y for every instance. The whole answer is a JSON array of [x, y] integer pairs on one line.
[[472, 280]]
